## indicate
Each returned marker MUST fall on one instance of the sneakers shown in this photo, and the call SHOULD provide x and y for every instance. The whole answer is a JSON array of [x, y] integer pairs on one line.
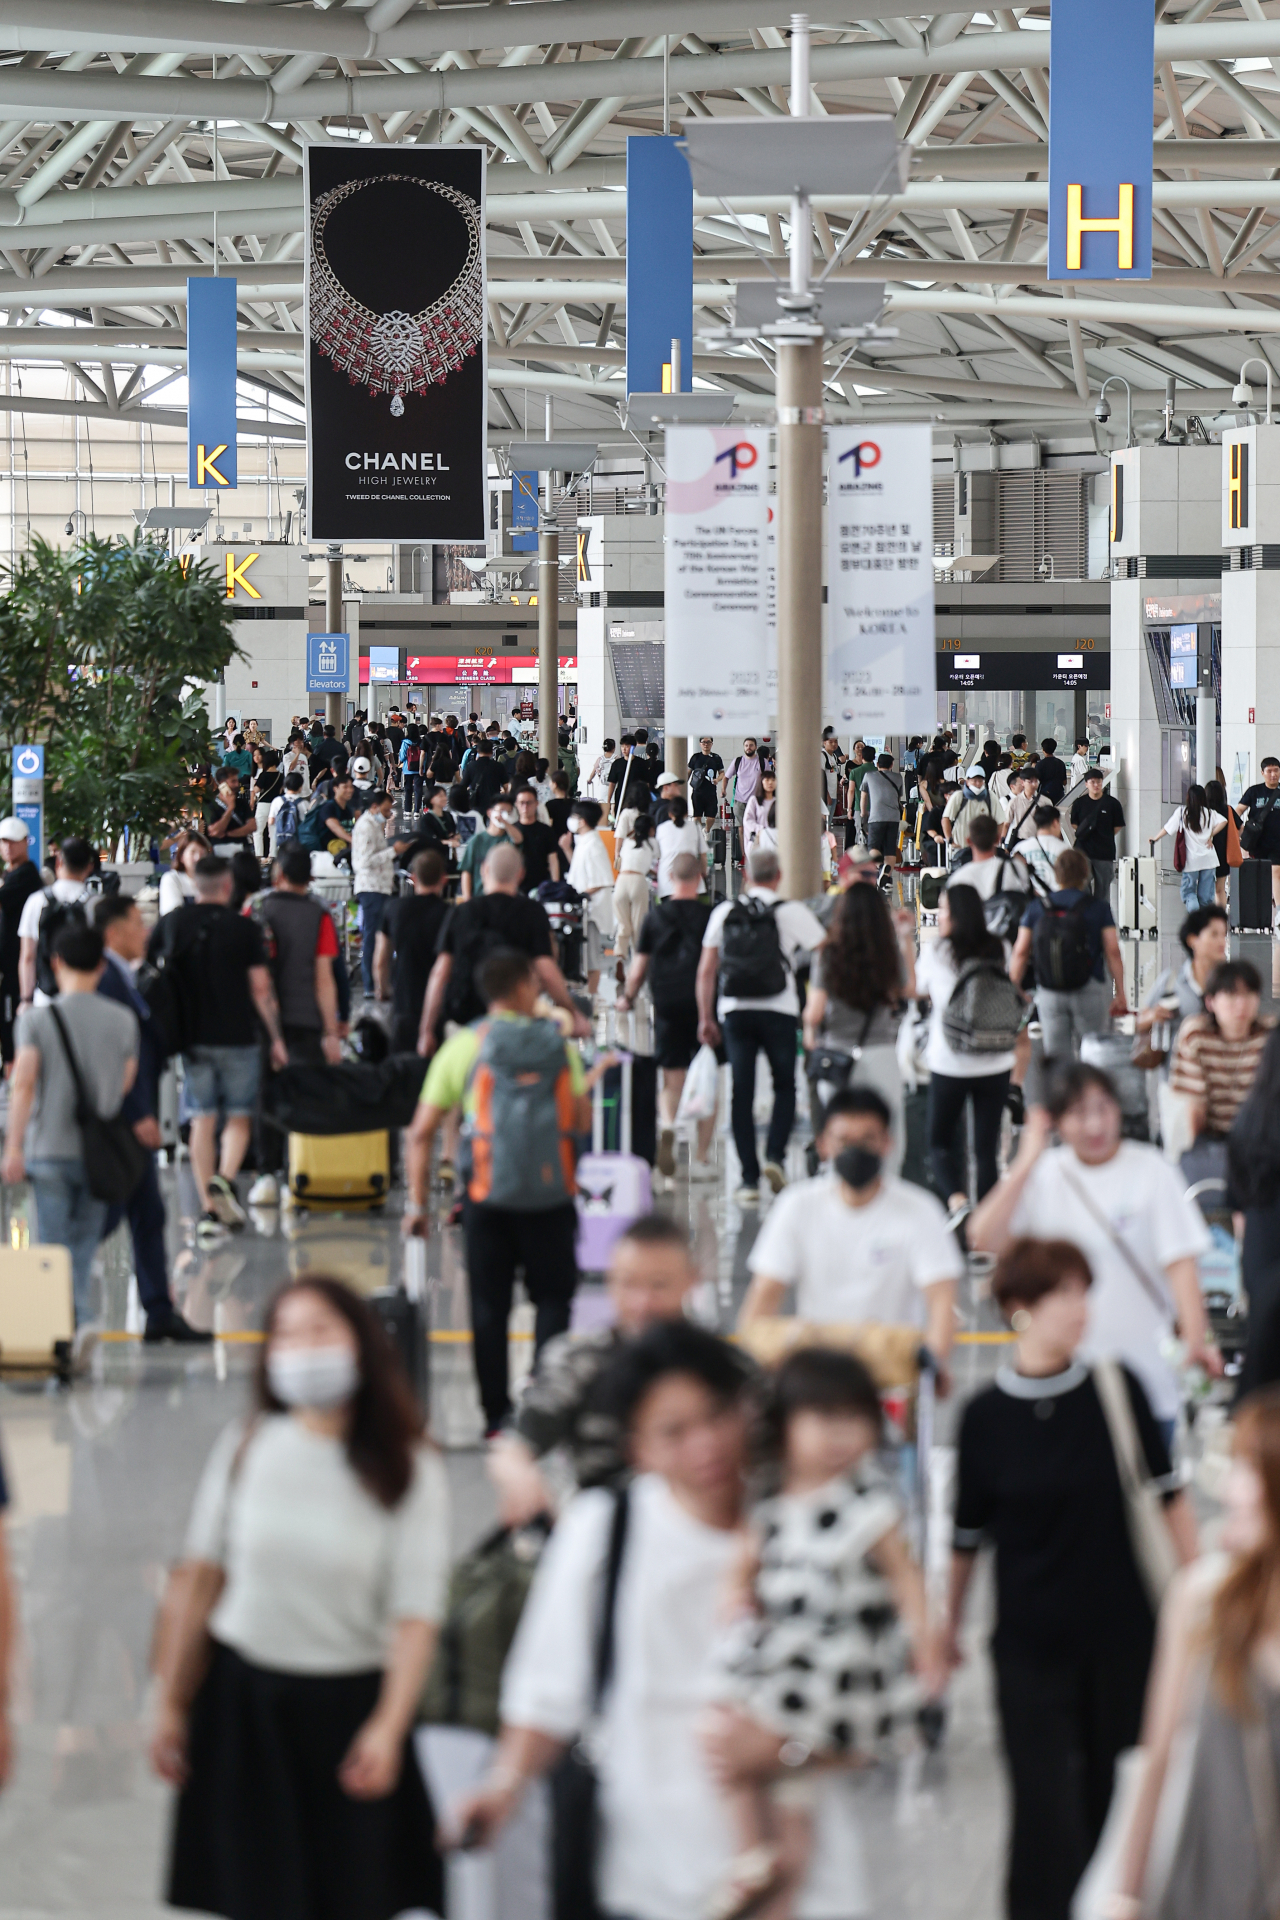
[[224, 1203], [775, 1176], [265, 1191], [702, 1169], [209, 1229], [667, 1152], [747, 1196], [172, 1326]]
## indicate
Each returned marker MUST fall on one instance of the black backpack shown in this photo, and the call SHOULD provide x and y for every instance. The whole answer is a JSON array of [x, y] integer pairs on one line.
[[57, 915], [1061, 948], [1003, 911], [752, 966], [171, 999]]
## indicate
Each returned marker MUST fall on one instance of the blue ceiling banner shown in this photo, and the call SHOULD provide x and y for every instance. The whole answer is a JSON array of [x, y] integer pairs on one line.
[[524, 512], [211, 381], [659, 261], [1100, 82]]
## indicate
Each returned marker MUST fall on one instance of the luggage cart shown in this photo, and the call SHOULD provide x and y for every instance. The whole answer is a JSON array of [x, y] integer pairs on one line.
[[1221, 1273]]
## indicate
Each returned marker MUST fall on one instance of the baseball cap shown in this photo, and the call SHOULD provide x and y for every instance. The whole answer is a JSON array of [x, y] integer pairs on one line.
[[668, 779], [360, 766], [13, 829]]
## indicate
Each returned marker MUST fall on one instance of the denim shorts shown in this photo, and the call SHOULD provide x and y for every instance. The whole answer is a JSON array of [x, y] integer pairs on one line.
[[222, 1079]]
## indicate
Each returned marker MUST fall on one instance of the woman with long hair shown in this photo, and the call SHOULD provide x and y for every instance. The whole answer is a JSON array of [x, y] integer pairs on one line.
[[267, 782], [1213, 1712], [931, 800], [298, 1632], [1197, 822], [1215, 793], [678, 834], [858, 984], [177, 885], [637, 857], [755, 821], [956, 1080], [1253, 1181]]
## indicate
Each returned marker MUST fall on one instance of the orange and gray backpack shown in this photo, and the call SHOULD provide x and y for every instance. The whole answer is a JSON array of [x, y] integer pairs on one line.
[[518, 1147]]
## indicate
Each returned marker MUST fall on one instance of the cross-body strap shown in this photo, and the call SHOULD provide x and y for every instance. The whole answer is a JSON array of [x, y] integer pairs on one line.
[[606, 1636], [82, 1098], [1157, 1294]]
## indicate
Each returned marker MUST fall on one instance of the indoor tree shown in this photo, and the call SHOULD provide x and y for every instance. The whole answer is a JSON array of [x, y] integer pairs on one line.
[[105, 649]]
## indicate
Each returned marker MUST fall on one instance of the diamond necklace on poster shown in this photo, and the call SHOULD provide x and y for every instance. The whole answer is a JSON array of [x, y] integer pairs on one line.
[[396, 352]]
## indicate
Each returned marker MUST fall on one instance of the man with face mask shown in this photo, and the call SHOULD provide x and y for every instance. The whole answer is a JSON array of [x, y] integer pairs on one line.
[[856, 1243]]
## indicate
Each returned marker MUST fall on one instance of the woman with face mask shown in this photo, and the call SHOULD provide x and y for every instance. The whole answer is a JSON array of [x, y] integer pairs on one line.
[[298, 1632]]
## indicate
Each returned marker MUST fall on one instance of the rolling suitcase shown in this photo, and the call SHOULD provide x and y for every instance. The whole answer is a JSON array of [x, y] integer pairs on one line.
[[340, 1169], [1136, 898], [403, 1313], [613, 1188], [37, 1317], [1249, 893]]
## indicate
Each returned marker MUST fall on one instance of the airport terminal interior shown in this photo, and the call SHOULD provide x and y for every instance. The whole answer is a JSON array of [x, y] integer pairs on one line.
[[1101, 572]]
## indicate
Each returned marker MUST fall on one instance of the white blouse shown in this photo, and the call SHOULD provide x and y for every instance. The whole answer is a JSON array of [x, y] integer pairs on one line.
[[318, 1571]]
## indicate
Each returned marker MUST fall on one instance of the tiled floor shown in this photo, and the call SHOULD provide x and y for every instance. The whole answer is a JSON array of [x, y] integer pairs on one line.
[[103, 1476]]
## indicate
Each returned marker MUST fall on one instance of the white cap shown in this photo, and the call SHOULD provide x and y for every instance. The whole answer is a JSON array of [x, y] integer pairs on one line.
[[13, 829], [668, 779], [360, 766]]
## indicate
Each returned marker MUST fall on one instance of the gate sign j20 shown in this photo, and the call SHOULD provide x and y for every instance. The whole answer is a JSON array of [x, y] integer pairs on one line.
[[1100, 81]]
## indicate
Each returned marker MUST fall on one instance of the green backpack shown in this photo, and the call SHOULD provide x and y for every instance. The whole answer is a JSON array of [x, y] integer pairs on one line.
[[487, 1592]]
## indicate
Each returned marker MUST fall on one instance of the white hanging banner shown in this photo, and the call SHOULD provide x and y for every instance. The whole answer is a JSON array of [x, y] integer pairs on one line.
[[716, 612], [881, 674]]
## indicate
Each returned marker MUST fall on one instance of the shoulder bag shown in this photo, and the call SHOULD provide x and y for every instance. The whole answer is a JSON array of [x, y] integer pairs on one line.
[[1256, 825], [1156, 1293], [1153, 1551], [114, 1158], [575, 1839], [833, 1064]]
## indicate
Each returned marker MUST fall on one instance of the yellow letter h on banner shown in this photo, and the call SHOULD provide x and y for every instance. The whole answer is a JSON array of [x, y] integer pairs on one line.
[[1121, 226]]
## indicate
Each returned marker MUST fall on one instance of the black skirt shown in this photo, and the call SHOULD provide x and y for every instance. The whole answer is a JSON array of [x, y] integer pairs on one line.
[[262, 1829]]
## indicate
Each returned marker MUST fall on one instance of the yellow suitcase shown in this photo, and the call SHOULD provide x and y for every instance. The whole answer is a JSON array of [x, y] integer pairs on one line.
[[340, 1169], [37, 1315]]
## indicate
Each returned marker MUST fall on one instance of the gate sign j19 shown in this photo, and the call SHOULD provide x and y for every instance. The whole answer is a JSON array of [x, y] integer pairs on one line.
[[1100, 81]]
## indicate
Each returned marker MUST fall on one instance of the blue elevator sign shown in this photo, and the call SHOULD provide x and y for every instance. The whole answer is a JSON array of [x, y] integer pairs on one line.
[[1100, 81], [328, 662], [211, 382]]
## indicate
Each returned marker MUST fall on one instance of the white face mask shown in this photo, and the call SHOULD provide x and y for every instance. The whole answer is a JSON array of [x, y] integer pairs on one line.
[[319, 1377]]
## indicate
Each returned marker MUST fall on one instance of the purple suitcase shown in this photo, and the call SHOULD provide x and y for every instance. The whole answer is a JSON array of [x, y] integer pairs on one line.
[[613, 1188]]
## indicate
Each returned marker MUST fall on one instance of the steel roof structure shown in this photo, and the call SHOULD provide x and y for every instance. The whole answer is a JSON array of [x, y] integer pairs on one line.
[[139, 137]]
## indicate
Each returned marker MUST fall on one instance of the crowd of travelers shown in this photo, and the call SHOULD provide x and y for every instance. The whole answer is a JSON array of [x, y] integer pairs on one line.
[[711, 1615]]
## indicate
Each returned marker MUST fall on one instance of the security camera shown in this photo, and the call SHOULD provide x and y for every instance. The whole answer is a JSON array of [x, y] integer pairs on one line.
[[1102, 412], [1241, 395], [70, 528]]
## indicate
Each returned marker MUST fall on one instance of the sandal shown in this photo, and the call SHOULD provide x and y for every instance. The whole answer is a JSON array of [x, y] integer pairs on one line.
[[753, 1878]]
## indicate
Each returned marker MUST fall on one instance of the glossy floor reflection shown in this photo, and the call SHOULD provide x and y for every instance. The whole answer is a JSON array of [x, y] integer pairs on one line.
[[103, 1475]]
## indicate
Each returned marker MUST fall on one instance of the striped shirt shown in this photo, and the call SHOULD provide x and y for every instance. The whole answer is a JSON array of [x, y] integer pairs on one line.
[[1215, 1071]]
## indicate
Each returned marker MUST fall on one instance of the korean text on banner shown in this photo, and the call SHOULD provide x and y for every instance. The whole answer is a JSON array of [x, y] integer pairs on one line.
[[211, 382], [880, 658], [716, 612], [395, 319], [1100, 140]]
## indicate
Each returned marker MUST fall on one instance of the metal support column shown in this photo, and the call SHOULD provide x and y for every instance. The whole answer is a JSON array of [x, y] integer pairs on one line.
[[675, 756], [800, 419], [549, 646], [334, 703]]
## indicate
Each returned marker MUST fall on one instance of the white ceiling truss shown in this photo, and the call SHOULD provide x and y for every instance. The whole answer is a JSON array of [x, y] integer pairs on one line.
[[137, 134]]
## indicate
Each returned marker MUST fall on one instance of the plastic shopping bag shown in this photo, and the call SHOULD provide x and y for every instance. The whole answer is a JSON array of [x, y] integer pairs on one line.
[[701, 1087]]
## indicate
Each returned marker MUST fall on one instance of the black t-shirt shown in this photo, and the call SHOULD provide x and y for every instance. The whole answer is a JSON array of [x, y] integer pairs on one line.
[[412, 924], [330, 750], [16, 889], [211, 950], [704, 767], [1095, 822], [559, 811], [1256, 798], [1053, 778], [484, 778], [536, 843], [241, 814], [477, 928], [671, 935], [1038, 1478]]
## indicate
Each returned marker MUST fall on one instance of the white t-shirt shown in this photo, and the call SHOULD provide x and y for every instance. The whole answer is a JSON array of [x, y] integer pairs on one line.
[[982, 876], [634, 859], [666, 1839], [936, 976], [857, 1263], [33, 914], [177, 887], [1040, 851], [673, 840], [318, 1570], [592, 867], [1141, 1198], [1200, 853], [799, 931]]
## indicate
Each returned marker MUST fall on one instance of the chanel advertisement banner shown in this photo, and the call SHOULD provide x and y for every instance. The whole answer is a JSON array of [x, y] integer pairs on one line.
[[395, 299]]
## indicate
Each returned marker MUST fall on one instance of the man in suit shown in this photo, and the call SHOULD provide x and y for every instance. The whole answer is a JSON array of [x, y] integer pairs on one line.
[[124, 937]]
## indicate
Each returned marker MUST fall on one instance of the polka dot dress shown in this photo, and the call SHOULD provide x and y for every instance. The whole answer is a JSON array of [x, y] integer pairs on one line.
[[825, 1659]]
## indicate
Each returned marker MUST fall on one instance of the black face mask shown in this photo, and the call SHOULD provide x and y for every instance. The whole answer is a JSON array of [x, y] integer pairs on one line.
[[858, 1166]]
